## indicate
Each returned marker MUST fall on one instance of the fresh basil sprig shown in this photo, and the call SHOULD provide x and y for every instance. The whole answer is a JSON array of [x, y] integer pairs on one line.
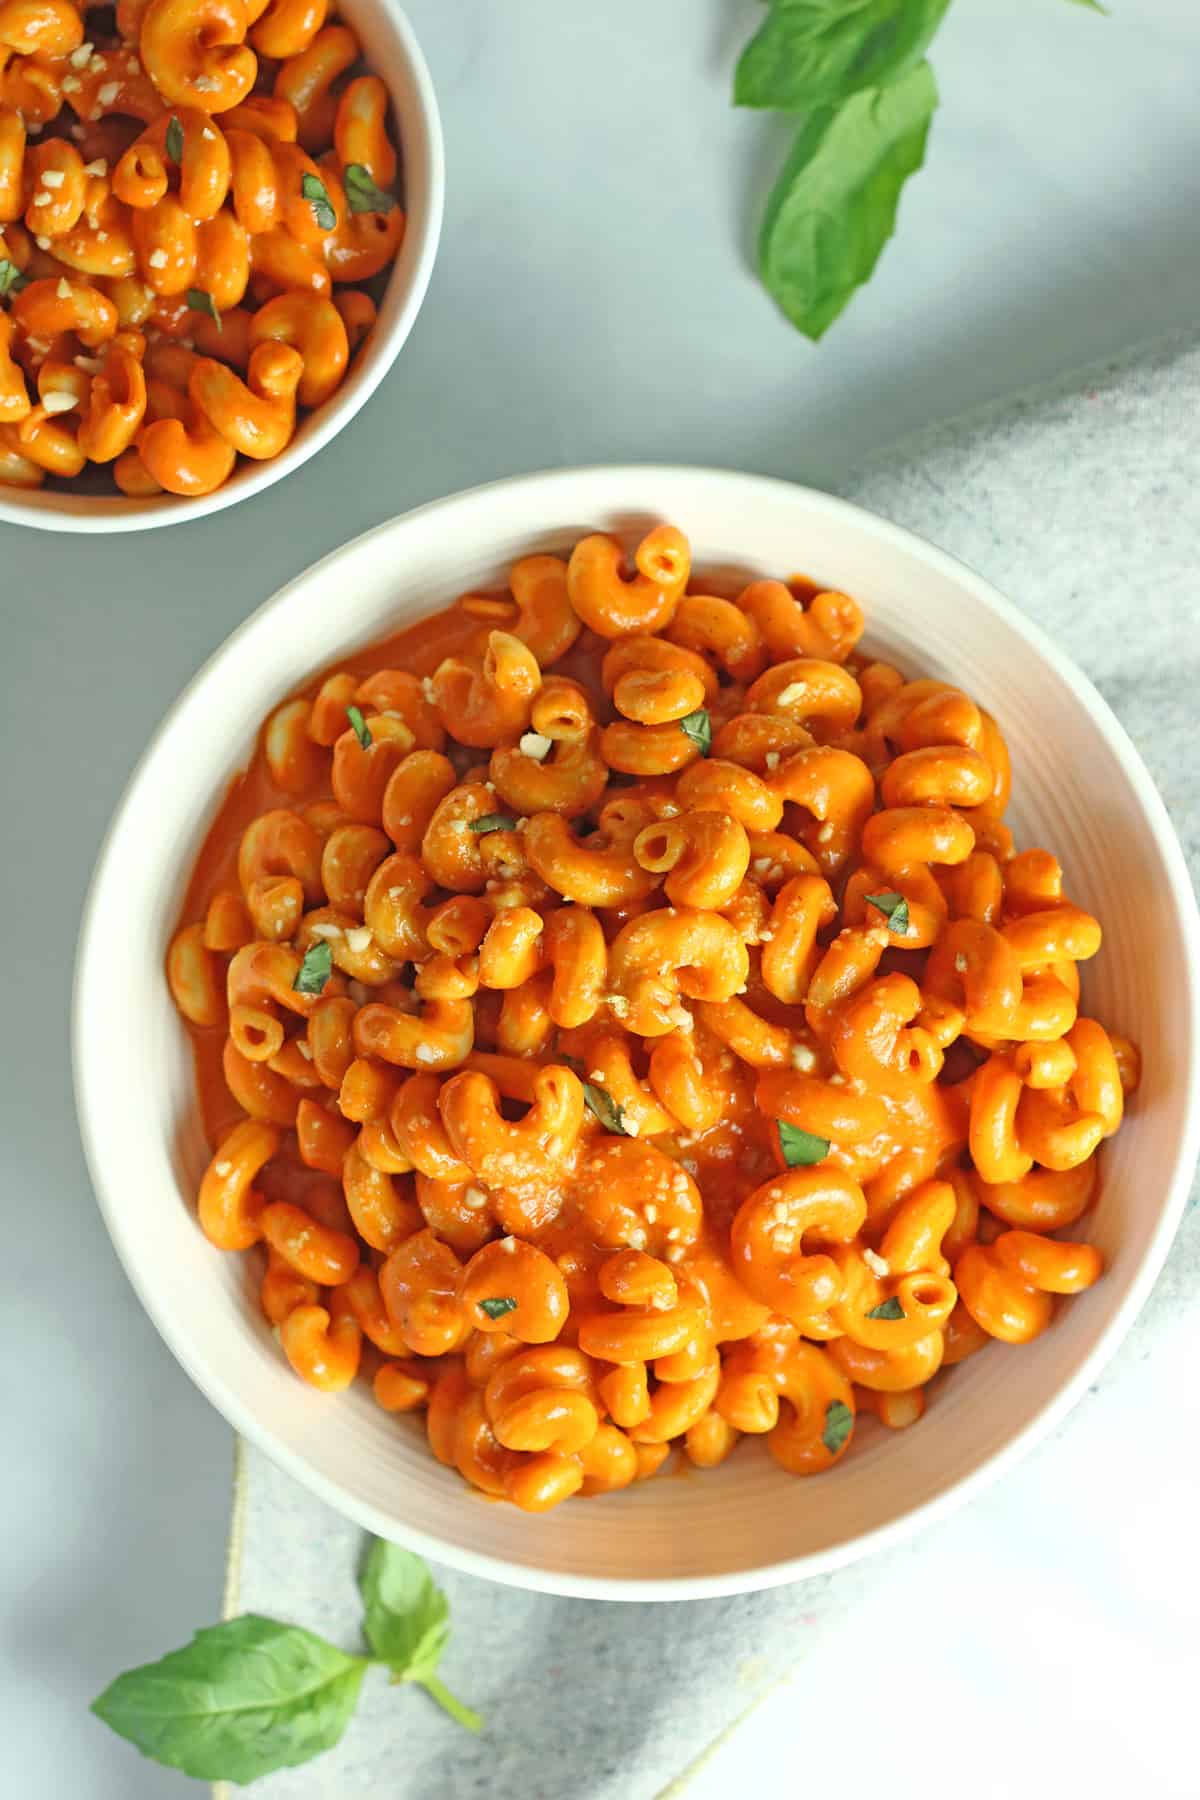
[[406, 1618], [801, 1149], [856, 68], [254, 1695], [362, 195]]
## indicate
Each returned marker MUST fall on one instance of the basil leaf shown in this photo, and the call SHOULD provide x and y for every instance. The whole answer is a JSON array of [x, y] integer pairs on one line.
[[315, 191], [496, 1306], [315, 970], [698, 728], [175, 140], [199, 301], [599, 1101], [887, 1309], [361, 193], [11, 278], [360, 726], [839, 1423], [894, 908], [407, 1622], [492, 822], [241, 1699], [819, 52], [1092, 6], [801, 1148], [833, 207]]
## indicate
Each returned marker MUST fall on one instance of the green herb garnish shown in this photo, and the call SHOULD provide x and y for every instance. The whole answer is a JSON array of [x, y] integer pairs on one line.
[[361, 732], [801, 1148], [856, 69], [497, 1305], [839, 1423], [362, 195], [697, 727], [317, 194], [199, 301], [175, 140], [315, 970], [407, 1623], [599, 1101], [492, 822], [11, 278], [887, 1309], [253, 1695], [894, 908]]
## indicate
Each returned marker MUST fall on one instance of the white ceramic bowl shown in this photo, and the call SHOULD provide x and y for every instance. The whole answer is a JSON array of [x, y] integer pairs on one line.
[[1078, 787], [391, 49]]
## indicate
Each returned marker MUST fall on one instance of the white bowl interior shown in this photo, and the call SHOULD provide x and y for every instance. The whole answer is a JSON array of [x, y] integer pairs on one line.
[[1079, 789], [391, 50]]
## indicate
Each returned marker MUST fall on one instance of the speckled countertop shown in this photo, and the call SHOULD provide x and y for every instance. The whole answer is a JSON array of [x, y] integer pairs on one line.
[[1081, 503]]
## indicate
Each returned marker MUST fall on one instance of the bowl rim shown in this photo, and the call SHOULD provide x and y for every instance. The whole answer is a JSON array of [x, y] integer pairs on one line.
[[126, 515], [88, 974]]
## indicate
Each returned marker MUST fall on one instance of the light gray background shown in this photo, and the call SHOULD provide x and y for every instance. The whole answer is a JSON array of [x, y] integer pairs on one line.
[[591, 302]]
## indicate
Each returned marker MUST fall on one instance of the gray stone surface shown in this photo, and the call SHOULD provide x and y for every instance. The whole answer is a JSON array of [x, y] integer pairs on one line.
[[1081, 504]]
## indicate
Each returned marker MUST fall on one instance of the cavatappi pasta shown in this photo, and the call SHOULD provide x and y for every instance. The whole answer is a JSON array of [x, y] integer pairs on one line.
[[193, 210], [623, 1021]]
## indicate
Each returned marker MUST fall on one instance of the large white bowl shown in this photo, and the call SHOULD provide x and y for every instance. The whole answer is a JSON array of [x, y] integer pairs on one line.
[[1079, 787], [392, 52]]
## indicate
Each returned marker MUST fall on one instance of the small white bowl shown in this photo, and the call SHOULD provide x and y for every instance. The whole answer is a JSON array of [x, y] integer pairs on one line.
[[1078, 788], [392, 52]]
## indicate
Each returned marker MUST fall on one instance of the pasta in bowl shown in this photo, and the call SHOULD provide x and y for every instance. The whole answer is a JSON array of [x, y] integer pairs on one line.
[[216, 228], [630, 1036]]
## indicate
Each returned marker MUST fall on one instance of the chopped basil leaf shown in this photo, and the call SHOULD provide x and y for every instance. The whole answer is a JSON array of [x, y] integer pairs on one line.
[[315, 191], [887, 1309], [894, 908], [362, 193], [199, 301], [315, 970], [697, 727], [175, 140], [801, 1148], [839, 1423], [492, 822], [360, 726], [497, 1305], [599, 1101], [11, 278]]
